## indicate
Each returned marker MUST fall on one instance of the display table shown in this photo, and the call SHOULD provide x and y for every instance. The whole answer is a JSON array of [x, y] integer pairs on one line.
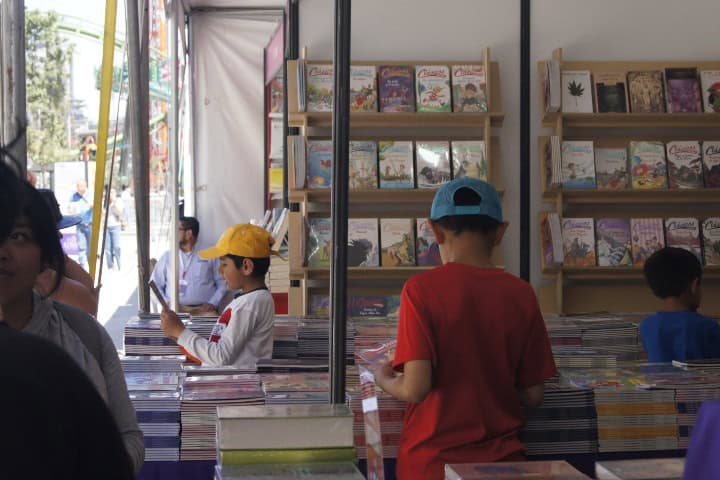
[[187, 470]]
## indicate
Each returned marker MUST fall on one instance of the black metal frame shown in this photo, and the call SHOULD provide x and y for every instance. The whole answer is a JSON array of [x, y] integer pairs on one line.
[[292, 49], [525, 139]]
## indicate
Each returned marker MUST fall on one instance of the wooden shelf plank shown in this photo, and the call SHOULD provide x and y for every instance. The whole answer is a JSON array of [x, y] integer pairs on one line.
[[630, 196], [398, 273], [638, 120], [422, 196], [398, 120], [615, 273]]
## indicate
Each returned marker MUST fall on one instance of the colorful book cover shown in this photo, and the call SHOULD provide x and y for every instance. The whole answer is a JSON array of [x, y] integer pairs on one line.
[[320, 85], [319, 163], [433, 163], [684, 233], [646, 92], [684, 159], [367, 306], [363, 88], [647, 165], [432, 88], [648, 236], [363, 239], [579, 241], [711, 240], [319, 305], [319, 240], [363, 164], [683, 90], [428, 251], [469, 159], [469, 88], [610, 93], [576, 91], [551, 239], [397, 88], [277, 95], [611, 168], [396, 164], [547, 470], [397, 241], [578, 164], [711, 164], [710, 81], [613, 242]]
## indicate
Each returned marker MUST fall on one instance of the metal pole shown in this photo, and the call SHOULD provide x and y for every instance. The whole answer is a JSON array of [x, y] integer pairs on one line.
[[525, 140], [291, 53], [339, 205], [172, 170], [12, 63]]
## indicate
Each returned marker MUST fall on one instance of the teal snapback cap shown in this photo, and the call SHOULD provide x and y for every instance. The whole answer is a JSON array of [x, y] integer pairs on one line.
[[444, 202]]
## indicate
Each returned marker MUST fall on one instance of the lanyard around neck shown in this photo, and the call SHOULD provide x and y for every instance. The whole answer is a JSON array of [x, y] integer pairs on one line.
[[186, 268]]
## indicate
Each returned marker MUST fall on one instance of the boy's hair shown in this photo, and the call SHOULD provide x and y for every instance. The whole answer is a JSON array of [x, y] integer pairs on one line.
[[457, 224], [260, 265], [670, 271], [192, 224]]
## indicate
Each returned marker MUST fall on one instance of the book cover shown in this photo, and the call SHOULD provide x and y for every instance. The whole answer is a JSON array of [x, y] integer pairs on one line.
[[319, 305], [276, 456], [290, 471], [363, 164], [469, 159], [396, 164], [433, 163], [367, 305], [397, 241], [547, 470], [578, 164], [576, 91], [711, 240], [684, 160], [320, 83], [646, 92], [428, 251], [610, 93], [432, 84], [469, 88], [277, 95], [363, 239], [711, 164], [579, 241], [319, 240], [397, 88], [613, 242], [647, 165], [683, 90], [319, 163], [641, 469], [611, 168], [363, 88], [648, 236], [551, 239], [710, 81], [684, 233]]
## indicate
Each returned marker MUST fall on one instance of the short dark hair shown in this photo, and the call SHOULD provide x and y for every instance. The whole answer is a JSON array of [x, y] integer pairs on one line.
[[474, 223], [670, 271], [260, 265], [192, 224]]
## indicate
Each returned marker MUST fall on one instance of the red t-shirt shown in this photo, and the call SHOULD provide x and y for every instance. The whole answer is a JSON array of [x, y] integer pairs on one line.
[[483, 332]]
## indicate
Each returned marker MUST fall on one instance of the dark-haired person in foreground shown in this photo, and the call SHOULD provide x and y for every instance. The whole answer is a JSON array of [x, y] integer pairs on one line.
[[472, 348], [677, 332], [243, 333]]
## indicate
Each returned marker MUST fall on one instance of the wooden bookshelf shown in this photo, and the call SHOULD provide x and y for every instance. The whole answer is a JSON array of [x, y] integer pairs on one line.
[[615, 273], [629, 196], [403, 120], [634, 120]]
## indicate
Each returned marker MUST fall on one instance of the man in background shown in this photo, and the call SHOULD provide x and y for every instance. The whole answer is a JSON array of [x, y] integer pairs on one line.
[[82, 206]]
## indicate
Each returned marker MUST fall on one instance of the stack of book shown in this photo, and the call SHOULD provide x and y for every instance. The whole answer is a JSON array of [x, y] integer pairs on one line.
[[288, 365], [295, 388], [153, 363], [688, 401], [314, 339], [143, 335], [549, 470], [289, 471], [158, 416], [391, 412], [192, 370], [641, 469], [570, 357], [153, 381], [285, 337], [563, 332], [611, 335]]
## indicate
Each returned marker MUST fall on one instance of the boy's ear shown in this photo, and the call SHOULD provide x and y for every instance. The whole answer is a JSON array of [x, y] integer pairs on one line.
[[694, 286], [500, 233], [248, 266], [438, 231]]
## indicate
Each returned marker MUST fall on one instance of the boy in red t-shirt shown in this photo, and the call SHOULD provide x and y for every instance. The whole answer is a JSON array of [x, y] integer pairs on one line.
[[472, 344]]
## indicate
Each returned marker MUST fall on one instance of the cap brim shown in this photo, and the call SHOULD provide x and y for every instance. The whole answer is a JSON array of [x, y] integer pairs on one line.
[[68, 221], [210, 253]]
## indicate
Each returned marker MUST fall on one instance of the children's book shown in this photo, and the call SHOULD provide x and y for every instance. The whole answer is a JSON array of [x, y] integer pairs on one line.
[[610, 92], [546, 470], [579, 241], [319, 163], [469, 159], [433, 163], [363, 242], [577, 91], [648, 236], [397, 88], [683, 90], [710, 81], [684, 233], [396, 164], [646, 91], [397, 240], [711, 240], [578, 164], [428, 251], [647, 165], [613, 242], [363, 164], [319, 240], [551, 239], [611, 168], [363, 88], [684, 159], [320, 84], [711, 163], [469, 84], [367, 305], [432, 83]]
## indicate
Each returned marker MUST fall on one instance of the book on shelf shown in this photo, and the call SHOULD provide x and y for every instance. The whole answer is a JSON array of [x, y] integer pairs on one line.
[[300, 81], [556, 161], [319, 241], [711, 163], [319, 163], [711, 240], [320, 84], [469, 88], [280, 228], [363, 164], [576, 91], [397, 241], [469, 159], [648, 236], [277, 94], [290, 471], [684, 160], [578, 236], [684, 232], [683, 90], [641, 469], [396, 164], [547, 470], [611, 92], [367, 306], [553, 86], [433, 163], [396, 87], [277, 139], [274, 456], [428, 250], [363, 88], [432, 88], [363, 242], [611, 168], [578, 164], [648, 168], [613, 242], [710, 83], [297, 149], [646, 91], [551, 239]]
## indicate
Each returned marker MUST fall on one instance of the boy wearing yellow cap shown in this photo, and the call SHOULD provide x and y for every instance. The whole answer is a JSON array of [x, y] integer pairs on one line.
[[244, 331]]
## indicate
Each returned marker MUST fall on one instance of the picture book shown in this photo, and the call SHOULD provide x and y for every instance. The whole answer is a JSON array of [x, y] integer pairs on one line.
[[363, 88], [710, 82], [711, 240], [613, 242], [363, 240], [647, 165], [277, 94], [469, 88], [576, 91], [611, 168], [433, 163], [683, 90], [318, 305], [640, 469], [397, 88], [432, 84], [648, 236], [551, 239], [396, 164], [367, 305], [469, 159], [319, 238], [320, 84], [684, 233], [711, 163], [646, 92], [363, 164], [397, 240], [610, 93], [578, 164], [547, 470], [428, 251], [319, 163], [578, 241], [684, 164]]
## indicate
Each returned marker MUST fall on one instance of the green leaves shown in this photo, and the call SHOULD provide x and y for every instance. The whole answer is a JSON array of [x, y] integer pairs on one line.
[[576, 89]]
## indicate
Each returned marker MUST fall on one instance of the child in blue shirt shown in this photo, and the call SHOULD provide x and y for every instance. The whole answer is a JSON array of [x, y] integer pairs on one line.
[[677, 332]]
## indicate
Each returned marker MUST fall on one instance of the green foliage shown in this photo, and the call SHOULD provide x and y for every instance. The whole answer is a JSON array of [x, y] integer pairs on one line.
[[576, 89]]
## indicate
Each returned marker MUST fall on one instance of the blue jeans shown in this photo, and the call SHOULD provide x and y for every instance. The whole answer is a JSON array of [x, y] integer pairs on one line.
[[83, 238], [112, 246]]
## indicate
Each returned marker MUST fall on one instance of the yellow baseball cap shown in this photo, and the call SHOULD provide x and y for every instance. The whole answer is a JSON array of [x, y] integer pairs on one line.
[[243, 240]]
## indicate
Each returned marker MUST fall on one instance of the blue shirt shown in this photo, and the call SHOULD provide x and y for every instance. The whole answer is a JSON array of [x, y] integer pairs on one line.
[[199, 280], [684, 335], [82, 207]]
